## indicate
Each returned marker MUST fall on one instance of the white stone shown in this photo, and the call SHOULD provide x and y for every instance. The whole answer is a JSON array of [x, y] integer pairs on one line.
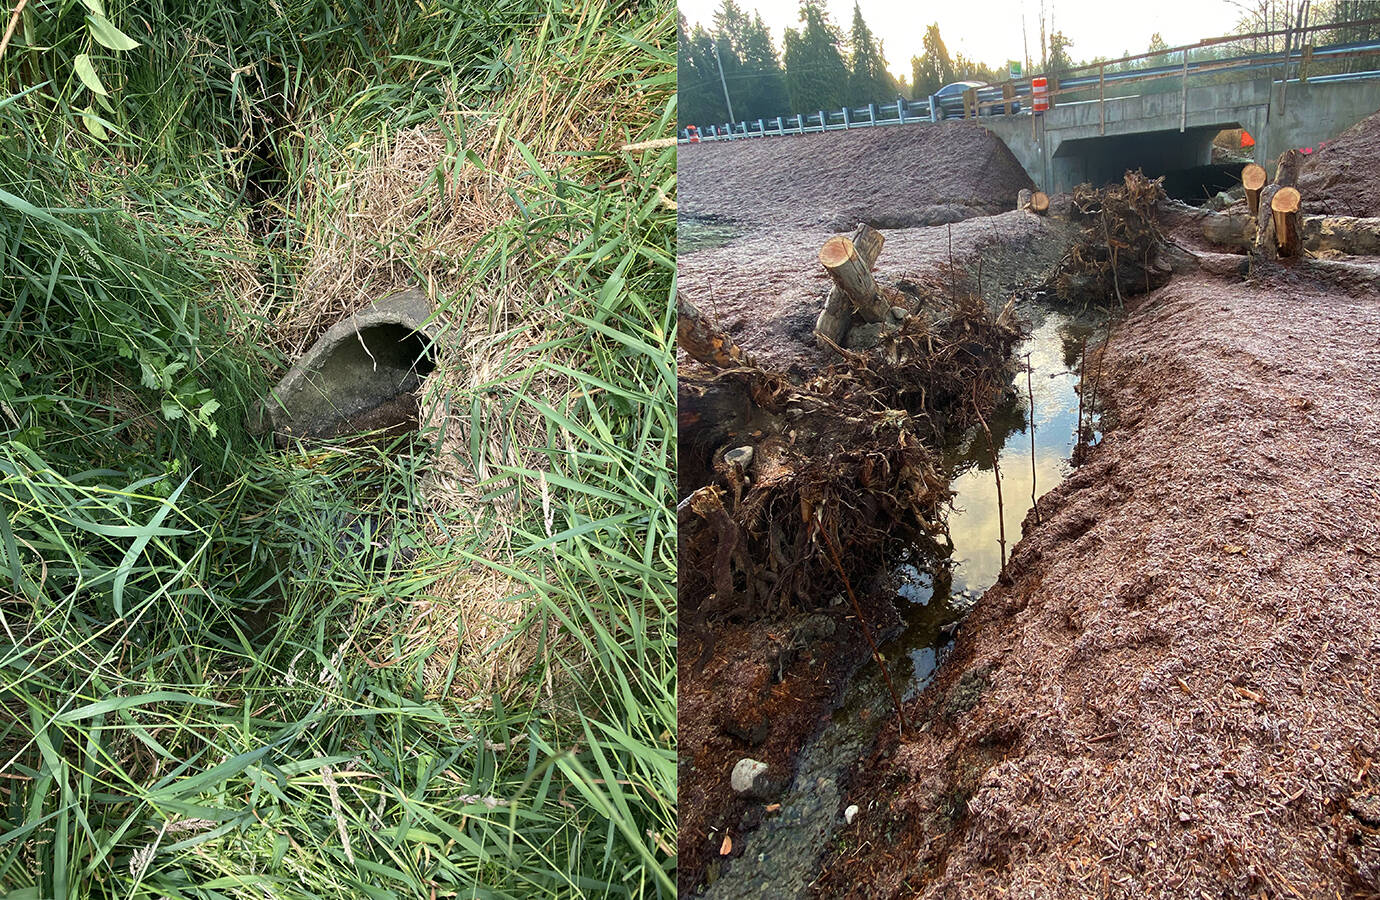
[[746, 773]]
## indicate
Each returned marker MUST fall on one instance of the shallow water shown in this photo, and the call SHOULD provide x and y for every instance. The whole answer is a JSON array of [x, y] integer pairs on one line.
[[935, 591]]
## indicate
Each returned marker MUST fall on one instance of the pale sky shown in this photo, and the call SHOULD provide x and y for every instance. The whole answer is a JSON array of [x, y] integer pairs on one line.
[[990, 30]]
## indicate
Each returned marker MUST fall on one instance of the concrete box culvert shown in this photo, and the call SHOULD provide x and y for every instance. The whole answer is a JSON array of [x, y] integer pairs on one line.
[[368, 363]]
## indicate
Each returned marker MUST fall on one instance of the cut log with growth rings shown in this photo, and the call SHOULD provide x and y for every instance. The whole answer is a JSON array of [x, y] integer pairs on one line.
[[1253, 179], [1284, 207], [853, 276]]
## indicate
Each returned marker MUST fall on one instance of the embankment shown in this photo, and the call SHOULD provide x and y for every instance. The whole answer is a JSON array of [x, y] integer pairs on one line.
[[1173, 690], [889, 177]]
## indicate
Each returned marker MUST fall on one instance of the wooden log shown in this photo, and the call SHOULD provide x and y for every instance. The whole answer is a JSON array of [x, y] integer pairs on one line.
[[1351, 235], [1039, 203], [1237, 232], [1284, 208], [836, 319], [705, 341], [1253, 179]]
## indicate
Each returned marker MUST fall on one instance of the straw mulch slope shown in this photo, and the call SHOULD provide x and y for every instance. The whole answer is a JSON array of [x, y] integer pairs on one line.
[[889, 177], [1174, 694], [1340, 178]]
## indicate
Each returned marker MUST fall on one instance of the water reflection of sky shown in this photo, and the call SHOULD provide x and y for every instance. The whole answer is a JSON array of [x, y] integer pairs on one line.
[[973, 524]]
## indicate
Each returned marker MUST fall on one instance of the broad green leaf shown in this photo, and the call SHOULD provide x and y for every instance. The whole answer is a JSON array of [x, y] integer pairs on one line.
[[107, 35], [93, 124], [87, 73]]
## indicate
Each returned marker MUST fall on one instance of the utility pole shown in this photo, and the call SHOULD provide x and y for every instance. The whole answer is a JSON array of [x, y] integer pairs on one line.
[[723, 81], [1025, 41]]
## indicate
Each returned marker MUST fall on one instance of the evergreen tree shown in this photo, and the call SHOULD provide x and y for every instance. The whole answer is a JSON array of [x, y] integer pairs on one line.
[[730, 27], [766, 93], [933, 69], [701, 99], [816, 75], [869, 82]]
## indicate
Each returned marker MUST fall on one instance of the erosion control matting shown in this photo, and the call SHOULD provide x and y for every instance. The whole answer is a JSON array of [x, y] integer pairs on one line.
[[889, 177], [1174, 691]]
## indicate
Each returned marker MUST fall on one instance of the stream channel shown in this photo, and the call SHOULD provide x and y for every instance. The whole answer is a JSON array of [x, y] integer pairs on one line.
[[781, 858]]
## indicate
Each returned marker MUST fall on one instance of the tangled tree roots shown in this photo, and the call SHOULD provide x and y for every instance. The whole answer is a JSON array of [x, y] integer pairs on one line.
[[1120, 249], [751, 541], [931, 367], [774, 471]]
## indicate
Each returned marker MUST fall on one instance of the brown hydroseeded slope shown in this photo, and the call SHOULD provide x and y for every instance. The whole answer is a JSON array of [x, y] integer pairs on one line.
[[1339, 179], [1175, 692], [890, 177]]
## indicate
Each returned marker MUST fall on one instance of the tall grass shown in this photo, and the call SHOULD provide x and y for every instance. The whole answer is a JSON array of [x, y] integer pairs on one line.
[[208, 686]]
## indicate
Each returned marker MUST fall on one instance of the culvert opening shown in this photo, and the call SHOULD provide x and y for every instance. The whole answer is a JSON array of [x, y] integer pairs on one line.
[[360, 376]]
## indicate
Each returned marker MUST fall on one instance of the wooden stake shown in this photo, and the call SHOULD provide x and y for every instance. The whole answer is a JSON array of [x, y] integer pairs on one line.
[[1253, 178], [1082, 390], [1030, 389], [1284, 207], [853, 276], [996, 473]]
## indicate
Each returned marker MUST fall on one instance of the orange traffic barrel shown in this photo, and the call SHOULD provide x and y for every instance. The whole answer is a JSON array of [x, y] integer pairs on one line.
[[1039, 89]]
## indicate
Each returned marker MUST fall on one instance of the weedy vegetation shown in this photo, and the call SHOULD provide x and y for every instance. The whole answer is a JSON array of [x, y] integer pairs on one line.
[[442, 667]]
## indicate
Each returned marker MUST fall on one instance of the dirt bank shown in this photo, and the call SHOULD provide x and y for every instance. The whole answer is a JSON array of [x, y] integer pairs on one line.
[[1339, 178], [754, 690], [1173, 693], [767, 291], [889, 177]]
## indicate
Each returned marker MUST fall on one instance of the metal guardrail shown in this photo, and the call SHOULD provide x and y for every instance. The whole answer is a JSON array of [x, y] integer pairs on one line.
[[902, 112], [999, 98]]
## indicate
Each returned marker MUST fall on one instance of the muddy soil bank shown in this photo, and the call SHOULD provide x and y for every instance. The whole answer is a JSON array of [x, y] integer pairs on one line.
[[890, 177], [1173, 690], [767, 291], [756, 690]]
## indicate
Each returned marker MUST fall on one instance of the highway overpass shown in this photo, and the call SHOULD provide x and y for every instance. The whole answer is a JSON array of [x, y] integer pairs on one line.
[[1096, 141]]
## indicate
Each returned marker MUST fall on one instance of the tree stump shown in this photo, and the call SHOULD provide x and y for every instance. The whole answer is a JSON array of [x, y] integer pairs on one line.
[[1286, 176], [836, 318], [853, 276], [1284, 210], [1253, 179], [705, 341]]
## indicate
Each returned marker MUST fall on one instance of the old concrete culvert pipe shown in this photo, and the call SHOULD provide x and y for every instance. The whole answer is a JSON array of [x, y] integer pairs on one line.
[[358, 376]]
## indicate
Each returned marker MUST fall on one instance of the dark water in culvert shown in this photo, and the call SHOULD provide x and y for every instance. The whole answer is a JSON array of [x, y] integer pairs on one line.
[[782, 857]]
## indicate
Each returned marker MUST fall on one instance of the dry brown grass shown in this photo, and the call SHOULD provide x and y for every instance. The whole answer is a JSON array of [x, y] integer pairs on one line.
[[418, 207]]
